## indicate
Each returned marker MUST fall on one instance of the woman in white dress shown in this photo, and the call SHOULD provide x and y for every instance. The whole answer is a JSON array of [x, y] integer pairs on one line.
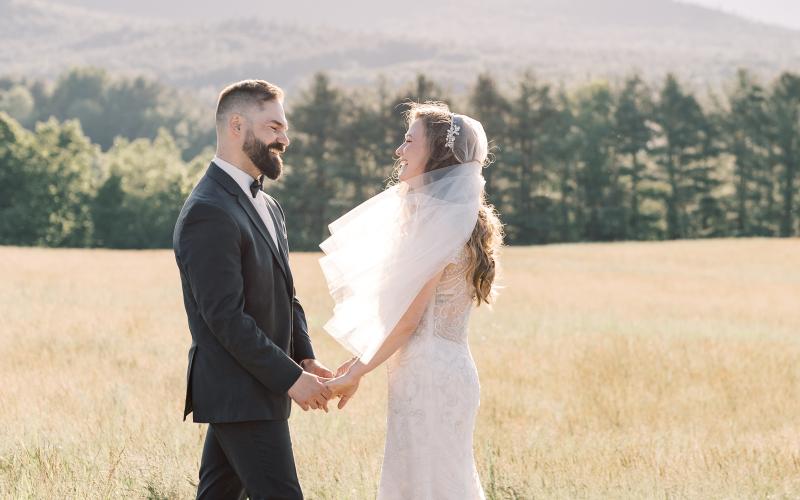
[[405, 269]]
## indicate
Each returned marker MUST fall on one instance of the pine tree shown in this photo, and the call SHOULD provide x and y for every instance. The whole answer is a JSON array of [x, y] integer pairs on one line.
[[562, 152], [313, 176], [785, 112], [681, 144], [528, 208], [490, 107], [633, 133], [598, 178]]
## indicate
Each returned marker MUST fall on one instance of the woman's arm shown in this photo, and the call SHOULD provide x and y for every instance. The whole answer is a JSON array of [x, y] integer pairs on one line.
[[346, 385]]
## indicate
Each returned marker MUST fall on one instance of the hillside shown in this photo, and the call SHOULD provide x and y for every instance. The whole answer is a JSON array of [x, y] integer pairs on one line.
[[355, 40]]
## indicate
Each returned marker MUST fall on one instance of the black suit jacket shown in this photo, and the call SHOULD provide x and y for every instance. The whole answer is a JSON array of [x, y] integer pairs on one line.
[[248, 329]]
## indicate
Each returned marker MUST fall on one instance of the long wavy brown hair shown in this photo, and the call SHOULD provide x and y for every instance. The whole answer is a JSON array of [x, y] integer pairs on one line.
[[487, 238]]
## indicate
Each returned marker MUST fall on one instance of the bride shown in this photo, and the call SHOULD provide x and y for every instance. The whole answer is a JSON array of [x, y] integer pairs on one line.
[[404, 269]]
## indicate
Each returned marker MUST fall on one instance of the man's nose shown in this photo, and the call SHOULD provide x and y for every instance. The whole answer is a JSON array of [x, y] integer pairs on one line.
[[284, 139]]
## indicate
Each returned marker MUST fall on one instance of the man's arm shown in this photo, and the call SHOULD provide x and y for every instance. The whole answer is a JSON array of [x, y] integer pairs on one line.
[[210, 253], [304, 355], [300, 338]]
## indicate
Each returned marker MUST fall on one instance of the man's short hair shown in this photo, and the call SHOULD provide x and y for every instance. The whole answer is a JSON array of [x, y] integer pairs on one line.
[[240, 96]]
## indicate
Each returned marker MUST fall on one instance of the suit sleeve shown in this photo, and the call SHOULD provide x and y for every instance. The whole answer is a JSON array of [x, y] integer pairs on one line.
[[300, 338], [209, 250]]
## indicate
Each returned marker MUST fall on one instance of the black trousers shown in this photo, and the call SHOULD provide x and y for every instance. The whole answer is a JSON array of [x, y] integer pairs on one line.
[[248, 460]]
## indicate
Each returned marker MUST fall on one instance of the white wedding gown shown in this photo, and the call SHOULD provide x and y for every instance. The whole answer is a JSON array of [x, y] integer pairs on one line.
[[433, 401]]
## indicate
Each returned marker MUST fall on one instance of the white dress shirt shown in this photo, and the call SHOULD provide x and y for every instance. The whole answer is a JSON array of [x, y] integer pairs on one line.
[[243, 179]]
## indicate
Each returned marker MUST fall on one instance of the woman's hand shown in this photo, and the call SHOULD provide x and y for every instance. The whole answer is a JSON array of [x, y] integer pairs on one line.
[[344, 367], [344, 386]]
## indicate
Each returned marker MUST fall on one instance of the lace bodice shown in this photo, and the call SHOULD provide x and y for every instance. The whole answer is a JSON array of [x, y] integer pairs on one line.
[[451, 305]]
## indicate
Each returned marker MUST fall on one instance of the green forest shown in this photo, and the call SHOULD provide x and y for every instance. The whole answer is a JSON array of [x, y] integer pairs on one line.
[[100, 160]]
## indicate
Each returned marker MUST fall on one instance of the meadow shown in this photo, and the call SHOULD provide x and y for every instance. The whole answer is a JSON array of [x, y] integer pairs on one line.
[[620, 370]]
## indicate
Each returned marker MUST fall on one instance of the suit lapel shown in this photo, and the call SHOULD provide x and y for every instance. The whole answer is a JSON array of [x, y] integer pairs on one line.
[[280, 230], [259, 223], [280, 234], [230, 185]]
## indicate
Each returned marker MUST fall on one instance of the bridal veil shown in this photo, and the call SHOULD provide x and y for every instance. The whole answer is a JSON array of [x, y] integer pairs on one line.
[[381, 253]]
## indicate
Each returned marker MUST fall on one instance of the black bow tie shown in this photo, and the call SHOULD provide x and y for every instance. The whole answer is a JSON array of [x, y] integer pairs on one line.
[[256, 186]]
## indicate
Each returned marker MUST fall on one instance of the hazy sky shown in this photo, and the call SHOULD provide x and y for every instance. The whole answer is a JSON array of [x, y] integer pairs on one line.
[[781, 12]]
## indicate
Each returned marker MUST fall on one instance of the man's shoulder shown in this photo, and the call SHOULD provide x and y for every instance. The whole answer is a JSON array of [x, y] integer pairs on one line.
[[209, 191], [205, 218], [207, 207], [206, 200]]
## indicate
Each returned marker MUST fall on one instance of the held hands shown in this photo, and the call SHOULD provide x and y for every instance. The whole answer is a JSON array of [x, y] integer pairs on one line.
[[310, 392], [317, 384]]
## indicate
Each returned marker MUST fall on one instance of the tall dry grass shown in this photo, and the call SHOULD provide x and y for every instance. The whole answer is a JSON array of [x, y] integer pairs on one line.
[[635, 370]]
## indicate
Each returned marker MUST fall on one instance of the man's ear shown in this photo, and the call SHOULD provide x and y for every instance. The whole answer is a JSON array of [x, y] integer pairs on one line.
[[235, 124]]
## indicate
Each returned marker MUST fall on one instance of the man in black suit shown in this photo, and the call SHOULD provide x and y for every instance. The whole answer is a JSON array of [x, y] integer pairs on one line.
[[251, 354]]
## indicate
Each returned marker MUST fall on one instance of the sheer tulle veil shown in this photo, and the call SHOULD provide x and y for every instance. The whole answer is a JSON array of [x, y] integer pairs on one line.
[[382, 252]]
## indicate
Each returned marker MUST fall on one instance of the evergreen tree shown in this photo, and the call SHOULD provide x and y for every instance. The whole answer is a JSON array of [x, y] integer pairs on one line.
[[745, 126], [598, 175], [562, 152], [527, 206], [633, 134], [491, 108], [785, 111], [681, 143], [314, 176]]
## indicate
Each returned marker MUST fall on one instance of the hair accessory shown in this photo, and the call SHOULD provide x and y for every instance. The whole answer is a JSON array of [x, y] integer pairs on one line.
[[452, 132]]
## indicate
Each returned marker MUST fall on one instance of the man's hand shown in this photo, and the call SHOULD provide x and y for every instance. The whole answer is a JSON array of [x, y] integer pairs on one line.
[[317, 368], [309, 392]]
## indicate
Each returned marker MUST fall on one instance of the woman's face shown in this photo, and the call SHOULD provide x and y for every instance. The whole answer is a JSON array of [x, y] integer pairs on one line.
[[413, 153]]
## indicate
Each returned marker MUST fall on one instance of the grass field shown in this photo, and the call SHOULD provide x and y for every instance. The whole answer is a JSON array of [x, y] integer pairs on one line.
[[631, 370]]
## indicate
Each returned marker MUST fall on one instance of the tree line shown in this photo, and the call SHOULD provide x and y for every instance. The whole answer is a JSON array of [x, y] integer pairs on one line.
[[100, 161]]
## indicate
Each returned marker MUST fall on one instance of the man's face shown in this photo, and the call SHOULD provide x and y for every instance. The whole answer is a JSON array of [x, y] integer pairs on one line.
[[265, 138]]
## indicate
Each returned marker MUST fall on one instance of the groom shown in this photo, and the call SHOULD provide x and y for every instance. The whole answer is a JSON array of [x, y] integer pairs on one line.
[[251, 354]]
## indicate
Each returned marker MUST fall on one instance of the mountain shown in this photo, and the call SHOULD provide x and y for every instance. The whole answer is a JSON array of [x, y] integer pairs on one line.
[[192, 44]]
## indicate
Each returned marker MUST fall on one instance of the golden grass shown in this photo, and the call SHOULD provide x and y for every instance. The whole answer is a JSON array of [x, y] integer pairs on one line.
[[633, 370]]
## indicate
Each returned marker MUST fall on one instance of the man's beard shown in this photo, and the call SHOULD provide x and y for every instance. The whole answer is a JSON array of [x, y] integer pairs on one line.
[[266, 157]]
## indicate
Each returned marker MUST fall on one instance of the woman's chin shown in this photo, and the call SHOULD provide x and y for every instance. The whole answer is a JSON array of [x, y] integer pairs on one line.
[[407, 173]]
